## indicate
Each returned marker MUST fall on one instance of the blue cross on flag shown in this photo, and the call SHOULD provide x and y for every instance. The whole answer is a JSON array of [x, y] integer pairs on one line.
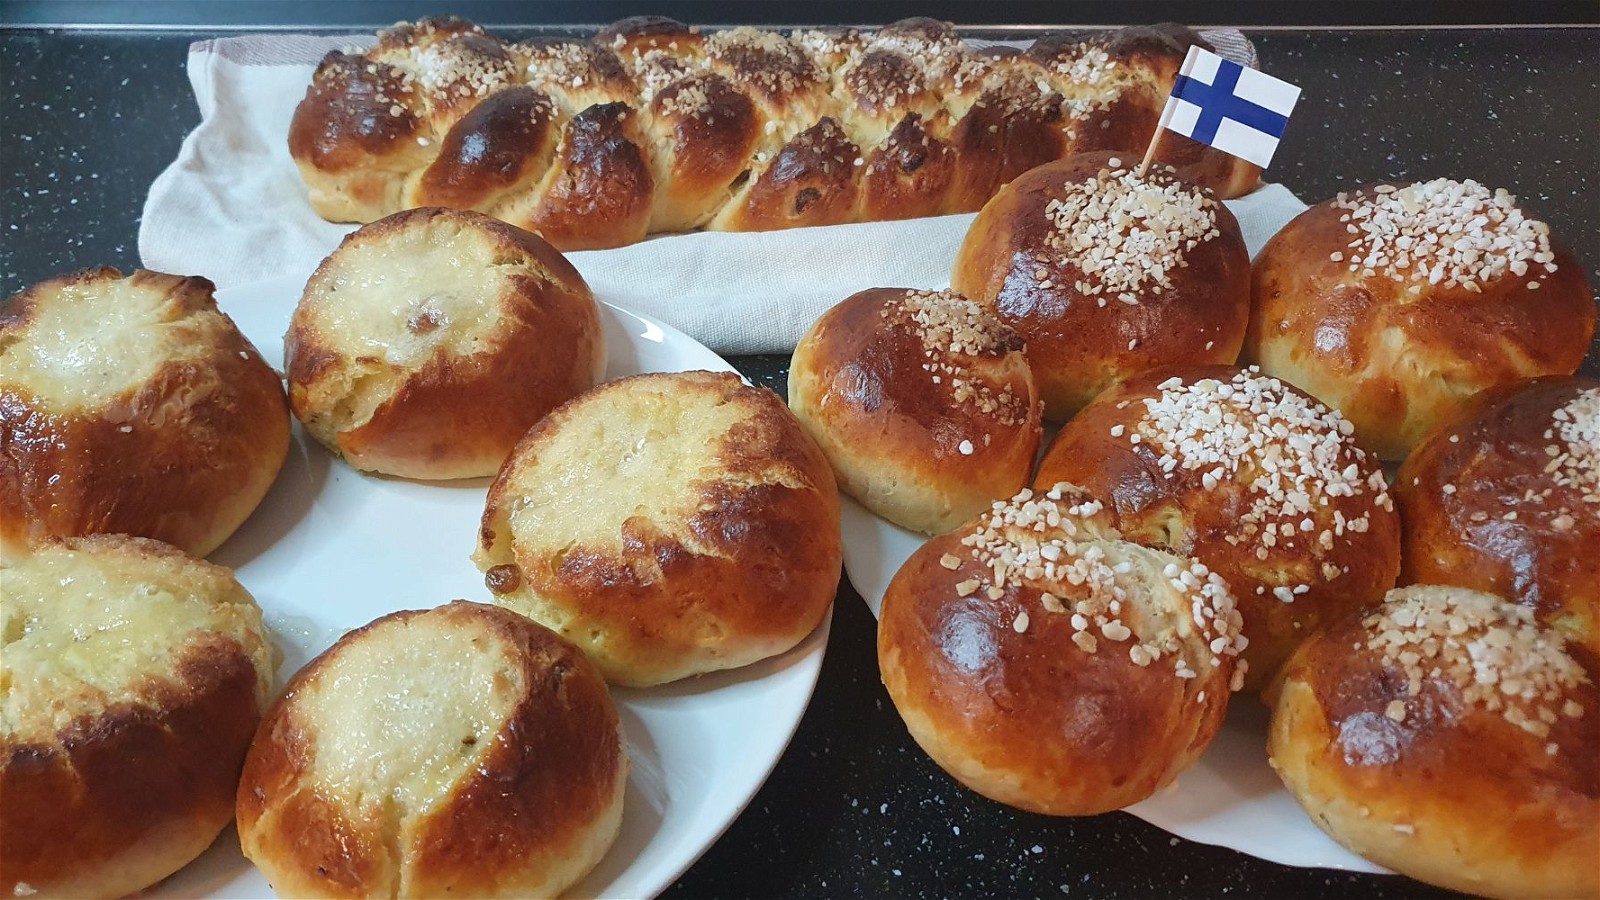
[[1237, 110]]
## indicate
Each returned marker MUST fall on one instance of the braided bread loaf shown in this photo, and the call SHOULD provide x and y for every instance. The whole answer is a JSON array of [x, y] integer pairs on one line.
[[654, 126]]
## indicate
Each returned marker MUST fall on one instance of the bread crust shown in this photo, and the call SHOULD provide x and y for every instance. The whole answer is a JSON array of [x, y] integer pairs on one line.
[[925, 438], [182, 456], [452, 414], [1084, 335], [1397, 356], [734, 559], [1482, 507], [116, 798], [927, 125], [1449, 793], [536, 808]]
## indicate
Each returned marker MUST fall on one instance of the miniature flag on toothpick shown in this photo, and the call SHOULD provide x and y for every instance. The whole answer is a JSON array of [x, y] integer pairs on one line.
[[1230, 107]]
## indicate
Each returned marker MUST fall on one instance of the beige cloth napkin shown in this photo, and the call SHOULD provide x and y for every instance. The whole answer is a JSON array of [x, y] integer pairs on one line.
[[232, 208]]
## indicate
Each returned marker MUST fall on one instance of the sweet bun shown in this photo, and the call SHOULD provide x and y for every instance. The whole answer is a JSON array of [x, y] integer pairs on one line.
[[134, 676], [131, 405], [1048, 665], [922, 401], [430, 341], [1394, 303], [669, 524], [656, 126], [1105, 274], [1447, 736], [1253, 478], [461, 751], [1505, 498]]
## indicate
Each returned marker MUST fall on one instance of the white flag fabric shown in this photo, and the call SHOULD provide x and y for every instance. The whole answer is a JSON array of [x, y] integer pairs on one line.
[[1235, 109]]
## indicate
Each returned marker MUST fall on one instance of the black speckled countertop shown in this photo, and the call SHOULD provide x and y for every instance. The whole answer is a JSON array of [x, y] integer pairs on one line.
[[854, 807]]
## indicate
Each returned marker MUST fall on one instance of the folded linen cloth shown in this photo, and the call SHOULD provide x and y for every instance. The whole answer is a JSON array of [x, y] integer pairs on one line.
[[232, 208]]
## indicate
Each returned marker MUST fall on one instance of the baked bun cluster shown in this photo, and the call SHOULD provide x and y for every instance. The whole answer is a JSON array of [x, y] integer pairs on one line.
[[1106, 274], [669, 524], [1047, 664], [133, 678], [1395, 303], [1447, 735], [429, 342], [460, 751], [1505, 498], [131, 405], [922, 401], [1250, 476], [656, 126]]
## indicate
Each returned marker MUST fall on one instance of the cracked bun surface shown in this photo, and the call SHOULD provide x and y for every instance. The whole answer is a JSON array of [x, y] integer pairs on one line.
[[1253, 478], [1505, 498], [1395, 303], [1047, 664], [459, 751], [669, 524], [922, 401], [429, 342], [1105, 274], [131, 405], [132, 680], [1447, 735]]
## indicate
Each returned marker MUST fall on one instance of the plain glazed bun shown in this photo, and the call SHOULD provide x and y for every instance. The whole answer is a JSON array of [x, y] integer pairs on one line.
[[429, 342], [131, 405], [1397, 302], [1447, 736], [922, 401], [1250, 476], [669, 524], [1046, 664], [461, 751], [1105, 274], [134, 676], [657, 126], [1505, 498]]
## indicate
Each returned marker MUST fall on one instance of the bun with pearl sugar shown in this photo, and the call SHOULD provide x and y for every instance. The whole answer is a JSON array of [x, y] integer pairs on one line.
[[1446, 735], [1106, 274], [923, 402], [1252, 477], [1395, 303], [1050, 665], [1505, 498]]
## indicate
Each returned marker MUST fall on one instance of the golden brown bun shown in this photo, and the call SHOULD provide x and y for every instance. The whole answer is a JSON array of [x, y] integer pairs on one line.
[[133, 406], [134, 676], [1347, 306], [1174, 290], [1049, 665], [1283, 461], [669, 524], [654, 126], [923, 403], [430, 341], [1447, 736], [460, 751], [1487, 505]]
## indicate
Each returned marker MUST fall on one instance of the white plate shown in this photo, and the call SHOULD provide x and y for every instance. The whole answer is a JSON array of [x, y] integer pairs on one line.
[[331, 549], [1230, 798]]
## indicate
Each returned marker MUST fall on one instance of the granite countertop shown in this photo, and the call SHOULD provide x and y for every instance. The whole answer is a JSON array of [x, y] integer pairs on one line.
[[854, 807]]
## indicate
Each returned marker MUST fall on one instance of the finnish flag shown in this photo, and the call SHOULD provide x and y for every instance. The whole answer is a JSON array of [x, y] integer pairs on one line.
[[1237, 110]]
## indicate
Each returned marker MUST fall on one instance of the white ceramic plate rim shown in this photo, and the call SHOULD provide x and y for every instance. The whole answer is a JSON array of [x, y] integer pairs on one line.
[[1229, 798], [686, 786]]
